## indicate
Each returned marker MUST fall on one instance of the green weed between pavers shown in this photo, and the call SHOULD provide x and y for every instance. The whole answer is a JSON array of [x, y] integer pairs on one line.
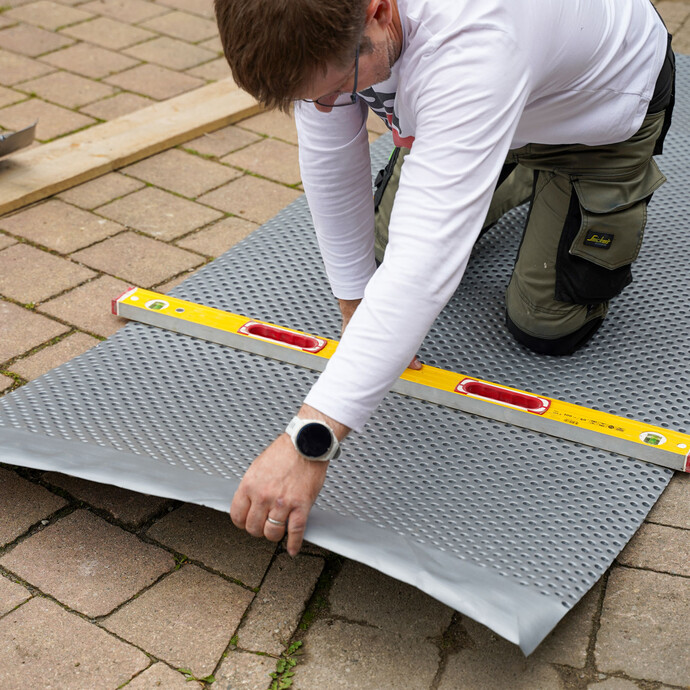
[[188, 675], [282, 676]]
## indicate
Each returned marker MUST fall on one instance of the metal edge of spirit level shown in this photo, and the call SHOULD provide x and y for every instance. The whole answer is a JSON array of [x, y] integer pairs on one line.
[[491, 409]]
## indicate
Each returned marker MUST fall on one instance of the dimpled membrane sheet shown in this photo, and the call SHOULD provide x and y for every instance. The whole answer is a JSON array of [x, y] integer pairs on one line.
[[505, 525]]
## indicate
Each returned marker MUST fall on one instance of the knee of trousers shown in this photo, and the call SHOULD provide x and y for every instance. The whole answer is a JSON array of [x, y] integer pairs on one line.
[[560, 330]]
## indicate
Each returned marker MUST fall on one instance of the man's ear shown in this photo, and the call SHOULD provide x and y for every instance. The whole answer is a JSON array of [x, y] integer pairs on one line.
[[380, 11]]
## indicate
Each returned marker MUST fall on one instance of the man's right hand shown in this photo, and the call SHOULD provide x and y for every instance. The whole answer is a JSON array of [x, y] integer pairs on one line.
[[348, 308]]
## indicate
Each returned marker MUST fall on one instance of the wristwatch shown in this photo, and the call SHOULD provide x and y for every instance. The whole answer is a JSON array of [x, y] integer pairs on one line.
[[313, 439]]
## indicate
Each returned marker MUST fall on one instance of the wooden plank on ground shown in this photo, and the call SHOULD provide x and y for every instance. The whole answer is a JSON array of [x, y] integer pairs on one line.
[[50, 168]]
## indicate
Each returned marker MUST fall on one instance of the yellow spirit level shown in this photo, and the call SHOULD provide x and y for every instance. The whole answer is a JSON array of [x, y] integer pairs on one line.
[[536, 412]]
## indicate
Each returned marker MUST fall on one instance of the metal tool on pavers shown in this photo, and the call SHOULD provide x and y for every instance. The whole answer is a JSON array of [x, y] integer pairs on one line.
[[13, 141], [602, 430]]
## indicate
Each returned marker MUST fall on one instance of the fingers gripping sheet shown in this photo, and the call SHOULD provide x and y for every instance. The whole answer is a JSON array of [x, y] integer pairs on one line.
[[505, 525]]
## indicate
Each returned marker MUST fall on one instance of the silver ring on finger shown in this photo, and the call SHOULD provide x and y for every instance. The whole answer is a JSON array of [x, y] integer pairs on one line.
[[275, 522]]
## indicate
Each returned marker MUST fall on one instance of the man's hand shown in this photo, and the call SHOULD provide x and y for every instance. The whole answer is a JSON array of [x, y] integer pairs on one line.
[[281, 485], [348, 308]]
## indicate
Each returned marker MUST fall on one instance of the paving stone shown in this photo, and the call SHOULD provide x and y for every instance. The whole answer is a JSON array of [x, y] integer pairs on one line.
[[614, 684], [87, 563], [674, 14], [100, 191], [363, 594], [11, 595], [89, 61], [214, 43], [203, 8], [6, 241], [645, 624], [188, 27], [44, 646], [222, 141], [491, 662], [568, 641], [343, 655], [215, 70], [657, 547], [128, 11], [59, 226], [672, 508], [5, 383], [187, 619], [128, 507], [28, 274], [169, 285], [117, 106], [52, 119], [181, 172], [244, 671], [48, 358], [280, 603], [219, 237], [251, 198], [67, 89], [208, 536], [22, 504], [21, 330], [273, 123], [157, 82], [17, 68], [161, 676], [169, 52], [48, 15], [108, 33], [31, 41], [268, 158], [88, 306], [158, 213], [8, 96], [138, 259], [376, 124]]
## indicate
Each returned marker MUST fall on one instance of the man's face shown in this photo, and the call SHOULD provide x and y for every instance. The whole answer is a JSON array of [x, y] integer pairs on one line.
[[375, 62]]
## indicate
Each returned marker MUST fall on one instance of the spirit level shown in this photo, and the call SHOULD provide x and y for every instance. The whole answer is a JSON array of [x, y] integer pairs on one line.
[[602, 430]]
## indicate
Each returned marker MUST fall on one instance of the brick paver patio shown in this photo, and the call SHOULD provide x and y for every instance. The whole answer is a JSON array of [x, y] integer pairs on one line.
[[104, 588]]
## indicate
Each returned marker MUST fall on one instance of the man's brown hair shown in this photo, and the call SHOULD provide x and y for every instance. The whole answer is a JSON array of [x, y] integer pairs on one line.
[[274, 47]]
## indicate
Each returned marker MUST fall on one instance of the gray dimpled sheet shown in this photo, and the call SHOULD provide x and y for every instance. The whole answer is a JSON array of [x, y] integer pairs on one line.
[[506, 525]]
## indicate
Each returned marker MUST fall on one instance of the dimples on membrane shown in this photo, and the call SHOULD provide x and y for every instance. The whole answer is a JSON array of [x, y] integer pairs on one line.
[[547, 514]]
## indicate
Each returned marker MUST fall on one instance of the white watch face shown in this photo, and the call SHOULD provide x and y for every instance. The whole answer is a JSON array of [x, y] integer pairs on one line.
[[314, 440]]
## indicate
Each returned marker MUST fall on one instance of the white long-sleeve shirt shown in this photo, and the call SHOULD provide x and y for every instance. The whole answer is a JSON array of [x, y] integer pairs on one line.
[[475, 78]]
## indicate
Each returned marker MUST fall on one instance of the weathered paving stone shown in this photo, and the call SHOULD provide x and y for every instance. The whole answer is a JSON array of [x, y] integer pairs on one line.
[[491, 662], [245, 671], [5, 382], [59, 226], [11, 595], [100, 191], [161, 676], [279, 604], [222, 141], [273, 123], [672, 508], [269, 158], [187, 619], [23, 504], [657, 547], [128, 507], [567, 643], [50, 357], [87, 563], [614, 684], [22, 330], [362, 594], [219, 237], [345, 655], [44, 646], [645, 625], [209, 536]]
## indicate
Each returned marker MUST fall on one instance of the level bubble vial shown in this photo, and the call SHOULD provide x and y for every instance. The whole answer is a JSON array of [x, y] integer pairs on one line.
[[156, 305], [652, 438]]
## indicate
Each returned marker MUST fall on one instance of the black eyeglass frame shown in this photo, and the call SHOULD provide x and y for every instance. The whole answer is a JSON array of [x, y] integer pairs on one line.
[[353, 95]]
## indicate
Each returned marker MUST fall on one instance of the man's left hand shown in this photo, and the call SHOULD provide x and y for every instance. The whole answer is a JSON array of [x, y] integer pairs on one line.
[[283, 485]]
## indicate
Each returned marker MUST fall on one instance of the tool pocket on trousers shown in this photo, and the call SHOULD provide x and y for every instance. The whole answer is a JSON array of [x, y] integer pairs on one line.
[[602, 236]]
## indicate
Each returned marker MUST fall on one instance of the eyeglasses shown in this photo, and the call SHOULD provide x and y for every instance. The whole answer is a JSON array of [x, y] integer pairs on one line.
[[352, 97]]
